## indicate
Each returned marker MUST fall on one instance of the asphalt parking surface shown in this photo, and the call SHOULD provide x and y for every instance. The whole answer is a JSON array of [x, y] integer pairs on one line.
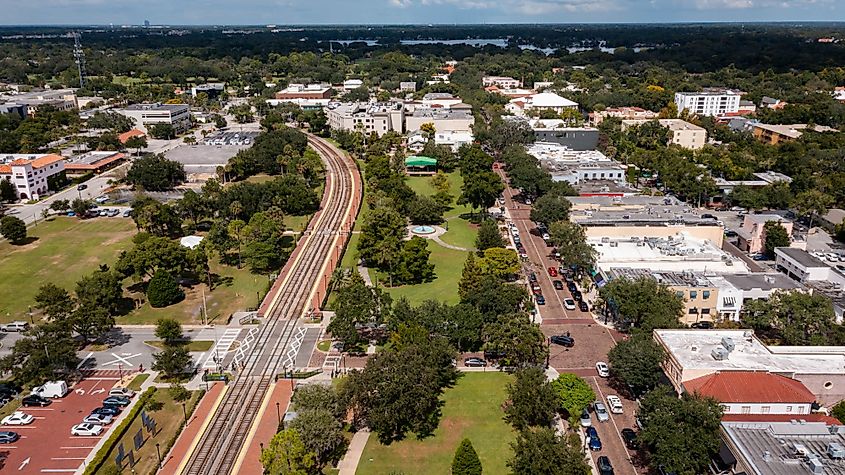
[[46, 445]]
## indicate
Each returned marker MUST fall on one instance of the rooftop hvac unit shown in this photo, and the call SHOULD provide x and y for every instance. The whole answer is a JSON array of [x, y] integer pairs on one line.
[[800, 449], [614, 244], [728, 343], [835, 450], [719, 353], [815, 465]]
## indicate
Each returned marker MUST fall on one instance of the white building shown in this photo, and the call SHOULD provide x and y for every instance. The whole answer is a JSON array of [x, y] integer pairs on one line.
[[26, 104], [212, 89], [736, 289], [540, 102], [576, 166], [380, 117], [709, 102], [627, 113], [803, 267], [144, 115], [504, 82], [453, 139], [440, 99], [443, 120], [676, 253], [684, 134], [692, 354], [351, 84], [31, 174]]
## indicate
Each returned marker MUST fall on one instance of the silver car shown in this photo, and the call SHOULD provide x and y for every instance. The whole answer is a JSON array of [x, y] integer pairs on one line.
[[601, 411]]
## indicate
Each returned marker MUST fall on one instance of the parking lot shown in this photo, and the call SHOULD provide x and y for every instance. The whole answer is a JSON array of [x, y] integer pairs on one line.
[[231, 138], [46, 445], [203, 159]]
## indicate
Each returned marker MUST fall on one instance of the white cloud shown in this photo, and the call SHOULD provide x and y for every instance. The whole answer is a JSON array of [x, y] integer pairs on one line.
[[523, 7]]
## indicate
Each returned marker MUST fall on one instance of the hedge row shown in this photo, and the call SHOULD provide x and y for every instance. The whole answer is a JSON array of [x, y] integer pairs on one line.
[[118, 432]]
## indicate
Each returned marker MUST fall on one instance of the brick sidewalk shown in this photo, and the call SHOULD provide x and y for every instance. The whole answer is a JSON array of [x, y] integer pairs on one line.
[[267, 424], [185, 442]]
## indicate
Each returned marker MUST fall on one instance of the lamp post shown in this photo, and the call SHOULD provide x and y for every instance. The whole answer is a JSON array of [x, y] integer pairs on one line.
[[185, 413], [278, 413], [158, 451]]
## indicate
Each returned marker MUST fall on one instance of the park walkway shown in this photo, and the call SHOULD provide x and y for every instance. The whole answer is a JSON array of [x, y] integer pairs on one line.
[[349, 463]]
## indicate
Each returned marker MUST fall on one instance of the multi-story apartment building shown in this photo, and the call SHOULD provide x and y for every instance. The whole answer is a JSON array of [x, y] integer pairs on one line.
[[716, 102], [305, 91], [684, 134], [32, 175], [144, 115], [504, 82], [774, 134], [379, 117]]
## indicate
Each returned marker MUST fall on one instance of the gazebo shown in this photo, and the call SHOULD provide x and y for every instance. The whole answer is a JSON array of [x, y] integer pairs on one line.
[[419, 165]]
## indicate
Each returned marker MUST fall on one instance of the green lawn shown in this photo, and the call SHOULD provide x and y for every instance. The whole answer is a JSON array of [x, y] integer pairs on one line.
[[472, 410], [448, 265], [66, 250], [192, 345], [297, 223], [461, 233]]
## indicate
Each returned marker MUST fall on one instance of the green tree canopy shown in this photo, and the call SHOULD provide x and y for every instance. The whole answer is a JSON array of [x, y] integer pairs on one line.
[[776, 236], [286, 454], [521, 341], [155, 173], [571, 242], [573, 394], [466, 461], [13, 229], [532, 401], [488, 236], [542, 451], [636, 361], [642, 304]]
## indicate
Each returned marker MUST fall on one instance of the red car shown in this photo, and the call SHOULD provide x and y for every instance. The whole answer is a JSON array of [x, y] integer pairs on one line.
[[552, 272]]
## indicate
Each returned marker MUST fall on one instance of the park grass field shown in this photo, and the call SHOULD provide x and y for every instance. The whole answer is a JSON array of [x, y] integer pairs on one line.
[[472, 410], [65, 250], [448, 265]]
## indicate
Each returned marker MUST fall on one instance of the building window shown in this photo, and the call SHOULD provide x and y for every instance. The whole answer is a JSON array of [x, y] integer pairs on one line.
[[766, 409], [679, 293], [693, 311], [705, 294], [788, 408], [693, 294], [705, 311], [746, 409]]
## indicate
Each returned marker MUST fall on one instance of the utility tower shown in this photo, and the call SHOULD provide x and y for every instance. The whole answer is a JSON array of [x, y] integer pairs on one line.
[[79, 56]]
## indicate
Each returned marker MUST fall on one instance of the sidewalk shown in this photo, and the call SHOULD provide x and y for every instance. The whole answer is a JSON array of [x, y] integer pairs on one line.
[[264, 428], [188, 438], [349, 463]]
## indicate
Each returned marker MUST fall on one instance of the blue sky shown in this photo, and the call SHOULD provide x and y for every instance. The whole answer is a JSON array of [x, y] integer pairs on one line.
[[412, 11]]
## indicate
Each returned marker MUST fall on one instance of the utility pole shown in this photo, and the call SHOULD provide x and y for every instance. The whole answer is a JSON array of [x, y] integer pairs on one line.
[[79, 56]]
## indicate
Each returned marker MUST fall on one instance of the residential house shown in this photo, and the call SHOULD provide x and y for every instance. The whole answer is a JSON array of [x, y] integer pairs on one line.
[[544, 101]]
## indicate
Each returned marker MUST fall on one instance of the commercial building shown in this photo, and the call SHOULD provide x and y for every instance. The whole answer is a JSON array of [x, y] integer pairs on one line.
[[408, 86], [305, 91], [692, 354], [96, 162], [737, 289], [452, 139], [761, 179], [504, 82], [624, 113], [751, 392], [544, 101], [573, 166], [441, 99], [145, 115], [26, 104], [711, 102], [684, 134], [803, 267], [351, 84], [558, 131], [444, 120], [33, 176], [752, 232], [511, 93], [679, 253], [381, 117], [774, 134], [211, 89], [782, 445]]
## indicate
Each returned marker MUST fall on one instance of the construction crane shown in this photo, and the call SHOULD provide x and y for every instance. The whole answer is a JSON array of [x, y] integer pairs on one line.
[[79, 56]]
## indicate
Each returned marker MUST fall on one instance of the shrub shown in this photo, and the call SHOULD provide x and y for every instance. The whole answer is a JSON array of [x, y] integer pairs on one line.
[[163, 290]]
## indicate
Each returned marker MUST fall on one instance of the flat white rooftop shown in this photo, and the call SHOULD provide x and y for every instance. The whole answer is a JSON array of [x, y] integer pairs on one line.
[[682, 253], [692, 350]]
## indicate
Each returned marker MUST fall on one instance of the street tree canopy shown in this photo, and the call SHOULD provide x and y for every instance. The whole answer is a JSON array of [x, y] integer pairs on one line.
[[532, 401], [521, 341], [795, 318], [571, 242], [573, 394], [540, 450], [642, 304], [636, 361]]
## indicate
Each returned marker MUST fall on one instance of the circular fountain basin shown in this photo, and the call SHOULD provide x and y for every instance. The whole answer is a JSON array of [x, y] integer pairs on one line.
[[422, 230]]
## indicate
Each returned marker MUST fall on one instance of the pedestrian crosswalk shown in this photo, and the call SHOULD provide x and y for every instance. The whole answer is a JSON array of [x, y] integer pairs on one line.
[[220, 349]]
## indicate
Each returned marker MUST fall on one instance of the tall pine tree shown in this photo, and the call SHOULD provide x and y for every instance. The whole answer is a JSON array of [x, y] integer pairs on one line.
[[466, 460]]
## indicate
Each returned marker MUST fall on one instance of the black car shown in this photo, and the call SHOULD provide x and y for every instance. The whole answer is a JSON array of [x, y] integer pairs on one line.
[[10, 388], [36, 400], [571, 286], [493, 354], [576, 294], [540, 299], [532, 277], [558, 285], [563, 340], [630, 438], [81, 186], [604, 466], [119, 401], [8, 437], [702, 325], [582, 305], [475, 362], [107, 411]]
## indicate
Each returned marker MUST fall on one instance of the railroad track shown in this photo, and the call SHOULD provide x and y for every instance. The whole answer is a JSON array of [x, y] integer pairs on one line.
[[296, 289]]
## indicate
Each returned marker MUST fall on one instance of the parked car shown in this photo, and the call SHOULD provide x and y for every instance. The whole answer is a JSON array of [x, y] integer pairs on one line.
[[35, 400], [51, 389], [702, 325], [8, 437], [615, 404], [71, 214], [127, 213], [81, 186], [14, 327], [17, 418], [475, 362], [576, 294], [569, 304], [104, 212], [571, 286], [585, 419], [86, 429], [563, 340], [540, 299], [99, 419], [125, 392], [594, 442], [119, 401], [10, 389], [114, 212], [101, 199], [601, 411], [532, 277], [630, 438], [107, 411], [604, 466], [558, 285], [582, 305], [552, 272], [602, 369]]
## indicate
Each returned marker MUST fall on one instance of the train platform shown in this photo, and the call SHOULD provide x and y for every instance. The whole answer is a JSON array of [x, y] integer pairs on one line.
[[268, 420], [181, 451]]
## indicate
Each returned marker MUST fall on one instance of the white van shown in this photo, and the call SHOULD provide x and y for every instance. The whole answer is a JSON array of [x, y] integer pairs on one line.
[[51, 389]]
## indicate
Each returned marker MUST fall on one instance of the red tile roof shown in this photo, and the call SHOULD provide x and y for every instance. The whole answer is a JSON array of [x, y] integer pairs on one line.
[[5, 170], [750, 386], [814, 417], [46, 160], [128, 135]]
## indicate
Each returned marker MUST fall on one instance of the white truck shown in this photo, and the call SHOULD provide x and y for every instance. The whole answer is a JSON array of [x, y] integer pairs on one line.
[[51, 389]]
